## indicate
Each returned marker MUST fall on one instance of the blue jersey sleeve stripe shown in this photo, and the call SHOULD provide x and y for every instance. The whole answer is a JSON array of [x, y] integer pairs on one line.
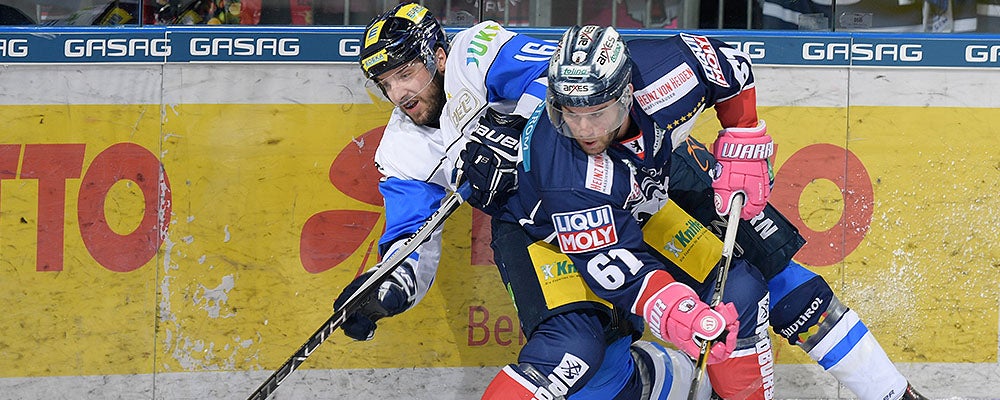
[[529, 130], [408, 203], [858, 331], [537, 89]]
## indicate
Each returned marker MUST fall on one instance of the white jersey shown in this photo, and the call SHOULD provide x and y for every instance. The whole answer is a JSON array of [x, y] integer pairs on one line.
[[488, 66], [415, 174], [414, 152]]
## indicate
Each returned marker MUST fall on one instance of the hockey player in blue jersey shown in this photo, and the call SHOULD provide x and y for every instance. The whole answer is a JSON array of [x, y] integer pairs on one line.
[[607, 206], [603, 132], [417, 158]]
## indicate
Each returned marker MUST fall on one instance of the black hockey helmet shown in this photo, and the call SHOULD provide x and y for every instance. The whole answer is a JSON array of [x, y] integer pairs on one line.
[[398, 36], [590, 67]]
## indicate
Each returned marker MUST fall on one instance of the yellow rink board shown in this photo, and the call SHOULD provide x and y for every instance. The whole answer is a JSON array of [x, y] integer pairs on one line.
[[227, 289]]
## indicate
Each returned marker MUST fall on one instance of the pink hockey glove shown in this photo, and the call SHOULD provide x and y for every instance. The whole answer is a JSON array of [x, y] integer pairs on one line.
[[742, 155], [675, 314]]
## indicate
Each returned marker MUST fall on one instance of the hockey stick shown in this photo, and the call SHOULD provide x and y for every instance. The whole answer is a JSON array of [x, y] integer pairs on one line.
[[356, 300], [697, 385]]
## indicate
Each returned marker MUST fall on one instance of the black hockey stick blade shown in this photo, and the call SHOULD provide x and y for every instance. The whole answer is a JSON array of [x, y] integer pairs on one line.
[[383, 270], [698, 383]]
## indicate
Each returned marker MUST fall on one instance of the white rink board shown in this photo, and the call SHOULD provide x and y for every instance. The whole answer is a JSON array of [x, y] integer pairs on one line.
[[937, 381]]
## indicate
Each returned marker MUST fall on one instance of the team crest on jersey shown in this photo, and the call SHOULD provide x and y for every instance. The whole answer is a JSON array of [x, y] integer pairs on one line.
[[599, 173], [636, 145], [463, 106], [658, 134], [705, 53], [585, 230], [648, 192], [667, 90], [635, 191]]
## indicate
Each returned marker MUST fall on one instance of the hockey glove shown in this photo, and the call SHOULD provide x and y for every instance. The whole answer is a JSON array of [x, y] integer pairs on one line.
[[743, 167], [393, 296], [489, 160], [676, 314]]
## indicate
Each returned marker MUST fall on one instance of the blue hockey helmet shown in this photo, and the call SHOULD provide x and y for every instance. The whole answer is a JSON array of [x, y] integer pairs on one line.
[[398, 36]]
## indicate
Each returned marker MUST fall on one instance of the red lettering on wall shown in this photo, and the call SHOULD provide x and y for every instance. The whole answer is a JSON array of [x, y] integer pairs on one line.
[[478, 316], [9, 154], [51, 165], [482, 254], [502, 332], [124, 161], [843, 168], [503, 327]]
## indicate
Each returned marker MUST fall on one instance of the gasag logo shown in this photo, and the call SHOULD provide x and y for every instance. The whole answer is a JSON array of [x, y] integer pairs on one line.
[[13, 48], [244, 46], [975, 53], [905, 52], [143, 47], [585, 230]]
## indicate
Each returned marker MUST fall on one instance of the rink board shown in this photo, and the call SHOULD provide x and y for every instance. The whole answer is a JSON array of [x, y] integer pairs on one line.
[[230, 256]]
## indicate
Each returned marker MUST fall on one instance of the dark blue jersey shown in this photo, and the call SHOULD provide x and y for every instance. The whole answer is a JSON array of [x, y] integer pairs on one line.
[[594, 206]]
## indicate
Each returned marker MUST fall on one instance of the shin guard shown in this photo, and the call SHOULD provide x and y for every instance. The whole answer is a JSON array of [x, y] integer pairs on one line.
[[807, 313], [847, 350], [665, 373]]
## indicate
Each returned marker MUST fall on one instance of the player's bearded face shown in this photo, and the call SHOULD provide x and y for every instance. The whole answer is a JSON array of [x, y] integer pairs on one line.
[[417, 89]]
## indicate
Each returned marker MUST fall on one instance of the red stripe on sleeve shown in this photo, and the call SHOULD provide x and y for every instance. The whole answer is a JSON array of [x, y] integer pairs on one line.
[[739, 111], [654, 282]]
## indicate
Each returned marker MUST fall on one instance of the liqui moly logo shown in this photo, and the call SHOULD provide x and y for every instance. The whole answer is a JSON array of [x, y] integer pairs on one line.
[[585, 230]]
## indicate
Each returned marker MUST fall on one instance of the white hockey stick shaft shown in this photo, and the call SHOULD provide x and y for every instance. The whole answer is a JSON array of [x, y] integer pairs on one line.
[[383, 270], [728, 243]]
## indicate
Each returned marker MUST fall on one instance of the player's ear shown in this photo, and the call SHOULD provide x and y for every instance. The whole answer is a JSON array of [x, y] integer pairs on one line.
[[440, 56]]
